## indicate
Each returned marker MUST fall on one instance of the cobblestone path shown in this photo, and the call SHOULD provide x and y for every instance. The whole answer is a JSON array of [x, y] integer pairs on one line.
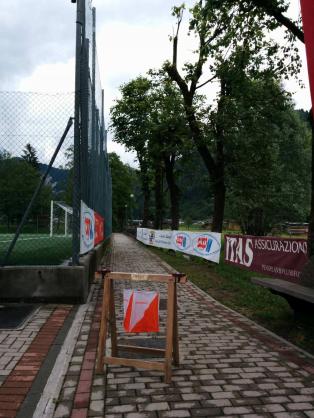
[[230, 366]]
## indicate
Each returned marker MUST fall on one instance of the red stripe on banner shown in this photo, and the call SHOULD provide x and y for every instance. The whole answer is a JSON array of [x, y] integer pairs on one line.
[[307, 7]]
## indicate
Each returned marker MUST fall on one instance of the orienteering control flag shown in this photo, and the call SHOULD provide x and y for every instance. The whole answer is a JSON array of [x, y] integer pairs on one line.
[[141, 311]]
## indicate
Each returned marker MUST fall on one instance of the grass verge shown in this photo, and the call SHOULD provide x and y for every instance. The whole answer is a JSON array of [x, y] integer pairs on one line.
[[231, 286]]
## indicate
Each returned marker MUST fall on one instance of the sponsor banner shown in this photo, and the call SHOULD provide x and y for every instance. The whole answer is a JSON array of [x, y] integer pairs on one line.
[[307, 7], [206, 245], [99, 228], [87, 229], [161, 239], [92, 229], [139, 234], [278, 257]]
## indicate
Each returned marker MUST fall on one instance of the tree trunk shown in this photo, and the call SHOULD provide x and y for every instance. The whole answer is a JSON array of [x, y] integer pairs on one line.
[[212, 165], [255, 223], [219, 205], [174, 192], [311, 220], [146, 195], [158, 197], [219, 175], [145, 190]]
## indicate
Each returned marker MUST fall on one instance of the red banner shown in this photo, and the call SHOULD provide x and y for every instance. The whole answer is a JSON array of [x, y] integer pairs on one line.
[[99, 229], [307, 7], [278, 257]]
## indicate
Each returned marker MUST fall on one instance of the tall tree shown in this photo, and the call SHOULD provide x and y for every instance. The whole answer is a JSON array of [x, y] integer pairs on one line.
[[121, 191], [170, 137], [130, 123], [30, 156], [275, 10], [223, 34], [149, 119]]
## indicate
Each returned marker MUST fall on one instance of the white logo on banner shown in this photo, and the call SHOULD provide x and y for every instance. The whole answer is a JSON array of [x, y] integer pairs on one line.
[[87, 229]]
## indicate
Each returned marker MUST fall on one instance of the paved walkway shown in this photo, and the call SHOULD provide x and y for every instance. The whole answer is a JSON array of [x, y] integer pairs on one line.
[[229, 365]]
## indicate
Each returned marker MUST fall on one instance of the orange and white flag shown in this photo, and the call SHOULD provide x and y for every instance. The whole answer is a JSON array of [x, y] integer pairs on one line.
[[141, 311]]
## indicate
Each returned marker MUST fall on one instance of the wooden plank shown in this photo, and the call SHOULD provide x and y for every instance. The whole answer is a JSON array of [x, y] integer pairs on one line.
[[283, 286], [112, 316], [149, 365], [169, 331], [144, 350], [163, 278], [176, 355], [182, 280], [103, 328]]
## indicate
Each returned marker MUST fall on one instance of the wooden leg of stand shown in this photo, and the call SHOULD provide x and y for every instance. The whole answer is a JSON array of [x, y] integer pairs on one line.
[[169, 332], [113, 328], [103, 327], [176, 356]]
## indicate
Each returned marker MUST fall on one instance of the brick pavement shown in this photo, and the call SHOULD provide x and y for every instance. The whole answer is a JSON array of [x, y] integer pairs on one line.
[[22, 354], [230, 366], [13, 343]]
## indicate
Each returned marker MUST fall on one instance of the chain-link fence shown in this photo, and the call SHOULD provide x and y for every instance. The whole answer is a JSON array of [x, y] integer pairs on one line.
[[47, 167], [31, 126]]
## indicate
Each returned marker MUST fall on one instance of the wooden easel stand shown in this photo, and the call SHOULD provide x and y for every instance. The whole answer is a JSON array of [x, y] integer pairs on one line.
[[108, 321]]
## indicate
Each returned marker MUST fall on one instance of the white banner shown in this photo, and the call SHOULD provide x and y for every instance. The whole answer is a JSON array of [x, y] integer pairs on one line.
[[87, 229], [200, 244]]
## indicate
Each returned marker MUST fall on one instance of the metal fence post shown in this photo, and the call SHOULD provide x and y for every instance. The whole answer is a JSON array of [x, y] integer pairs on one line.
[[80, 35], [94, 177]]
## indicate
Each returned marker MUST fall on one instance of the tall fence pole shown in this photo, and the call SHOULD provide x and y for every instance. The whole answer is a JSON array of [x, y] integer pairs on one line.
[[80, 36], [51, 218]]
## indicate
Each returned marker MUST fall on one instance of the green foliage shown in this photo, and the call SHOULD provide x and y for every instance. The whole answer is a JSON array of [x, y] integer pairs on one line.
[[149, 119], [4, 154], [30, 156], [122, 189], [196, 198], [187, 221], [130, 123], [267, 157], [18, 180], [236, 47], [130, 116]]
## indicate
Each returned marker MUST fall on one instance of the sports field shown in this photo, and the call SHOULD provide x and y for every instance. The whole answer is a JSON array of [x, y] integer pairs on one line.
[[37, 249]]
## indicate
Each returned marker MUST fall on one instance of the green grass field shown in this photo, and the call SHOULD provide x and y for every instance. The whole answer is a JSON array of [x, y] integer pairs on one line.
[[37, 249]]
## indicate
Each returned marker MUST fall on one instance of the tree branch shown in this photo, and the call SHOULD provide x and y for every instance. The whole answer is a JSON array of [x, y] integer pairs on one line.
[[206, 82], [283, 20], [175, 40]]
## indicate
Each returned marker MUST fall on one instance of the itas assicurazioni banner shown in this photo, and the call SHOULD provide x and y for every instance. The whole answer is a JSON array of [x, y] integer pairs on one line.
[[272, 256]]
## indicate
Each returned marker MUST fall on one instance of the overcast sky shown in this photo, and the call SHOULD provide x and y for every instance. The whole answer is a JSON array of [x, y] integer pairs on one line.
[[37, 43]]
